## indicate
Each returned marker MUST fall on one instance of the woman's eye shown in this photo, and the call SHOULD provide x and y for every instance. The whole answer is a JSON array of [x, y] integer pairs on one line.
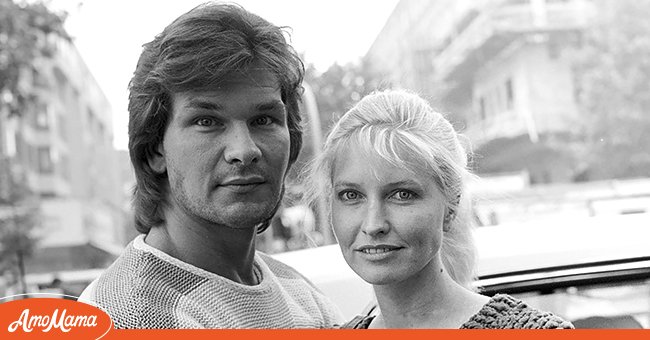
[[348, 196], [403, 195], [263, 121]]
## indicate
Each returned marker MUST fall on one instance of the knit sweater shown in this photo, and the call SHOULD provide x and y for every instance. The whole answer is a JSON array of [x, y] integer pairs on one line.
[[147, 288], [501, 312]]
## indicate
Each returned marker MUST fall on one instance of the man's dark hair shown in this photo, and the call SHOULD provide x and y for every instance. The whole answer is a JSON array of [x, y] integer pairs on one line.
[[196, 52]]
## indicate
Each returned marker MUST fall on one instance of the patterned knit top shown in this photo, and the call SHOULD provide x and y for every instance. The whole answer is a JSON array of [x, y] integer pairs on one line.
[[501, 312], [147, 288]]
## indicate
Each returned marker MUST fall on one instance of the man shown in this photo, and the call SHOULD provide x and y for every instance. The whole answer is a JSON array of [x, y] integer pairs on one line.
[[214, 126]]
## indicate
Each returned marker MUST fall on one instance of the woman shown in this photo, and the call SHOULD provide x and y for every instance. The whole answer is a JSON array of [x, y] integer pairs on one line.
[[394, 172]]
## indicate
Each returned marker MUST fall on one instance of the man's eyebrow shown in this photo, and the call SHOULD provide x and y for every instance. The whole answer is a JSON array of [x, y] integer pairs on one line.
[[209, 105], [270, 105], [203, 104]]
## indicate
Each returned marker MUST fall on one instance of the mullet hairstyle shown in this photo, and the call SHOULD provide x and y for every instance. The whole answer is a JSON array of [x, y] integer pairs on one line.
[[197, 52], [401, 128]]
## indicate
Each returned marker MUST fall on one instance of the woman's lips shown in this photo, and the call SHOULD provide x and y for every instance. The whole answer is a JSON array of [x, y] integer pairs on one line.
[[377, 249]]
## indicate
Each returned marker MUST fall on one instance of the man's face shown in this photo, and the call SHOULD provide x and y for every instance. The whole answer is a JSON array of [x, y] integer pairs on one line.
[[226, 152]]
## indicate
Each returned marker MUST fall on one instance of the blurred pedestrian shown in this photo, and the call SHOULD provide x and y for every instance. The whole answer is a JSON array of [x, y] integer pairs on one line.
[[214, 125], [393, 171]]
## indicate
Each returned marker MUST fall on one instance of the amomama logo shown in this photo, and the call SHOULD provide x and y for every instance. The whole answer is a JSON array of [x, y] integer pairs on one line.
[[52, 318]]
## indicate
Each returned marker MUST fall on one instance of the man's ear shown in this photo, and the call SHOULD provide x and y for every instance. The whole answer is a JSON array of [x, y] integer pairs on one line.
[[156, 160]]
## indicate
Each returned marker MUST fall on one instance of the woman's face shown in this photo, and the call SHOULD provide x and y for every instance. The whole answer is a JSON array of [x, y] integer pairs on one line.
[[388, 222]]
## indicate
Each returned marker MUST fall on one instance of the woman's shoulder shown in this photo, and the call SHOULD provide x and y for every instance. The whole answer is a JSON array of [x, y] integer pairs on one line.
[[506, 312]]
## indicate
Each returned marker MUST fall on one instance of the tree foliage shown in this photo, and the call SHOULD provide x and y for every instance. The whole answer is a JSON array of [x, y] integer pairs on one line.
[[18, 219], [24, 31], [16, 235], [340, 87], [336, 90], [612, 72]]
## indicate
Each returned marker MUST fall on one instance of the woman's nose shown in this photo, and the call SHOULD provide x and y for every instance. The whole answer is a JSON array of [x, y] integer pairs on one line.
[[375, 222]]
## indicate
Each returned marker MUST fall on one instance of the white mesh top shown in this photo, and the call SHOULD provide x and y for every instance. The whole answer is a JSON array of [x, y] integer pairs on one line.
[[146, 288]]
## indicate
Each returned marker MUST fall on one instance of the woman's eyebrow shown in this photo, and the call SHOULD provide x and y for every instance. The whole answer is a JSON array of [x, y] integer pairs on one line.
[[406, 182], [346, 184]]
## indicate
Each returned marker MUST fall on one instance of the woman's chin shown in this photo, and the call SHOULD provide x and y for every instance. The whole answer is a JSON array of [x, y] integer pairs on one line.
[[379, 278]]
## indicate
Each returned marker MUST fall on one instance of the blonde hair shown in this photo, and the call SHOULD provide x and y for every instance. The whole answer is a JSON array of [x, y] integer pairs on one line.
[[403, 129]]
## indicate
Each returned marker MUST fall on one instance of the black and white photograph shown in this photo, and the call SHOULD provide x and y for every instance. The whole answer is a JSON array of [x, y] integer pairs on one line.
[[340, 164]]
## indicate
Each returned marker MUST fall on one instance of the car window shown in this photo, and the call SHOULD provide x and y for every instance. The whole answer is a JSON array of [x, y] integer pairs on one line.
[[624, 304]]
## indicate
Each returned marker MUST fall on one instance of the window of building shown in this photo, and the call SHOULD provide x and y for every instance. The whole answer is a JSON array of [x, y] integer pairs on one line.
[[62, 127], [42, 118], [22, 150], [32, 157], [62, 83], [499, 99], [45, 164], [65, 167], [481, 104], [47, 194], [553, 48], [492, 102], [38, 79], [100, 132], [91, 122], [510, 95]]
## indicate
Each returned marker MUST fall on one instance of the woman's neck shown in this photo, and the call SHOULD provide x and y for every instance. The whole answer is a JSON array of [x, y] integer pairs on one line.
[[429, 299]]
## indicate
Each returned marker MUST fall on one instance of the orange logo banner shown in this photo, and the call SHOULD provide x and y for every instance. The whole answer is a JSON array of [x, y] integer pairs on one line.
[[52, 318]]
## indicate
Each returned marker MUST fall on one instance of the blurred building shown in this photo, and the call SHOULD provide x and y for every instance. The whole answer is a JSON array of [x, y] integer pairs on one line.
[[506, 200], [127, 181], [63, 148], [501, 67]]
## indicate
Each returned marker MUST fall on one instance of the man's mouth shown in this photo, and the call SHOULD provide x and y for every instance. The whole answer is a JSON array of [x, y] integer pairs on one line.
[[243, 181], [243, 184]]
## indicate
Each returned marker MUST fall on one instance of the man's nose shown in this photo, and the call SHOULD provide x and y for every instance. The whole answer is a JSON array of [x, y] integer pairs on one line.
[[375, 222], [240, 146]]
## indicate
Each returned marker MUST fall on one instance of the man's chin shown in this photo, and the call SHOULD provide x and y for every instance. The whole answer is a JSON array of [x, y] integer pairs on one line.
[[242, 216]]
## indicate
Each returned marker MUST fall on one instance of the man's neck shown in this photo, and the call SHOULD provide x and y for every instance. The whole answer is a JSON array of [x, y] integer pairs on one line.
[[218, 249]]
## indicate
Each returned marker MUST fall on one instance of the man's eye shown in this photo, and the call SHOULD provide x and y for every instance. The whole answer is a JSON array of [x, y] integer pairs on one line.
[[263, 121], [207, 122], [403, 195], [348, 195]]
